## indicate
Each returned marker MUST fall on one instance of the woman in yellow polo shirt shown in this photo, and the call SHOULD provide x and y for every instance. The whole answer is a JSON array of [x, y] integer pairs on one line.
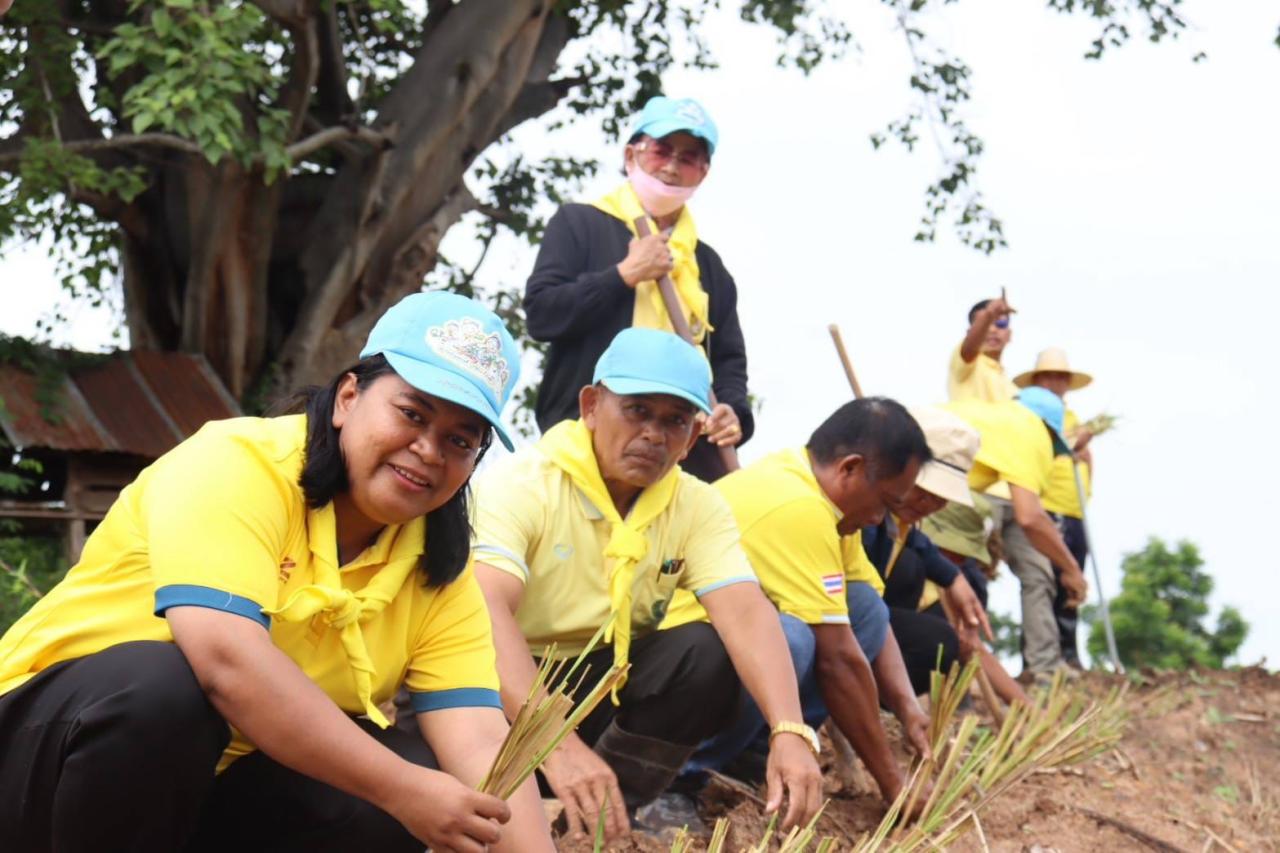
[[250, 602]]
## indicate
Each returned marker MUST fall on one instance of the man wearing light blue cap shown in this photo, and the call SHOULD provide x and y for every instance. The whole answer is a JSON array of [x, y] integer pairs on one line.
[[596, 523], [597, 273]]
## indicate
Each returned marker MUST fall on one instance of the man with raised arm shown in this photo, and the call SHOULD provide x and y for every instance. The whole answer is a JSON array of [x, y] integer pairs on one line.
[[597, 522], [975, 372]]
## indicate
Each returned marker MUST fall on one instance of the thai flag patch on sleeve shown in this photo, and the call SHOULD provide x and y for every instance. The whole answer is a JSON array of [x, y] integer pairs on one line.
[[833, 584]]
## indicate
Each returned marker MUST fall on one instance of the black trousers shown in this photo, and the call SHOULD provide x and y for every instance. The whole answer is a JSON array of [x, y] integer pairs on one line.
[[920, 635], [1073, 536], [116, 751], [682, 687]]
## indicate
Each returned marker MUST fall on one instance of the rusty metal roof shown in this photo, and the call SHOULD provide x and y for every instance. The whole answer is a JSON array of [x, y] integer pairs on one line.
[[140, 402]]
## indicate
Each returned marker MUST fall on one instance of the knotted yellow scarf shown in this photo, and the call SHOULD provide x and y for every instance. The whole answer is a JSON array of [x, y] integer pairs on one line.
[[650, 311], [346, 610], [899, 542], [568, 446]]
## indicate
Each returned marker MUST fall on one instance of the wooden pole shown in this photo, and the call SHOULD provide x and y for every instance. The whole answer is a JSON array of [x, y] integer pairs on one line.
[[667, 287], [984, 683], [1097, 575], [844, 360]]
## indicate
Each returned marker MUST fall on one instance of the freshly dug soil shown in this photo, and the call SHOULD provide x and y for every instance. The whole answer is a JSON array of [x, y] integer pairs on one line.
[[1197, 770]]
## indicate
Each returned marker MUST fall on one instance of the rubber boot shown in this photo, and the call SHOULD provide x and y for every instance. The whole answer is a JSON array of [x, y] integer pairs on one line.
[[645, 767]]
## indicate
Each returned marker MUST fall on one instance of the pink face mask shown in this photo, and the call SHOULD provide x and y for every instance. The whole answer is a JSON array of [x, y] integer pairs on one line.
[[657, 198]]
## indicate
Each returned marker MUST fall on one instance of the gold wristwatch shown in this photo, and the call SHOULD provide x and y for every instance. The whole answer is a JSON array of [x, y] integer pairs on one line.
[[806, 732]]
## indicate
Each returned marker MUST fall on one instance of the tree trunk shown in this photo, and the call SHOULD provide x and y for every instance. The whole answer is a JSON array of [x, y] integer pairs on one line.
[[279, 285]]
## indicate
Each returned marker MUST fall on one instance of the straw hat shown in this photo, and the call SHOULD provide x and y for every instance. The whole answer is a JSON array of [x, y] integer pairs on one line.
[[954, 445], [1053, 360]]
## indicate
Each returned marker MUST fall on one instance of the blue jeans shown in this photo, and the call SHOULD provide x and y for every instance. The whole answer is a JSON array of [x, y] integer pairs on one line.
[[869, 618]]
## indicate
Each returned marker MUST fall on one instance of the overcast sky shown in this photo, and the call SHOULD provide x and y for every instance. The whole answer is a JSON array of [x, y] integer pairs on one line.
[[1140, 199]]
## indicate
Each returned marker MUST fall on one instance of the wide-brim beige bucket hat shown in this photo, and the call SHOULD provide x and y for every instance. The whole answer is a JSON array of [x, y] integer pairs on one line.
[[1053, 360], [954, 445]]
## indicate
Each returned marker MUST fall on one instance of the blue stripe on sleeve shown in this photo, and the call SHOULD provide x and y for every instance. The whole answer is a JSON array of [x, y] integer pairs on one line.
[[480, 549], [458, 697], [184, 595], [727, 582]]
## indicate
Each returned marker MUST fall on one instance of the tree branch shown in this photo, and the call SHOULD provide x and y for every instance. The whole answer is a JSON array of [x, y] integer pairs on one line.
[[11, 148], [289, 13], [497, 214], [331, 135], [90, 146], [535, 99], [303, 72], [333, 103]]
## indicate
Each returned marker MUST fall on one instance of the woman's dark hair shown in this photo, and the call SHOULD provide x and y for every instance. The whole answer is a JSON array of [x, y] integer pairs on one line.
[[324, 473], [881, 430]]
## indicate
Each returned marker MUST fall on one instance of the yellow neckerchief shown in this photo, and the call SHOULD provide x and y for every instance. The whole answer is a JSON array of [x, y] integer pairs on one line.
[[899, 542], [344, 609], [650, 311], [568, 446]]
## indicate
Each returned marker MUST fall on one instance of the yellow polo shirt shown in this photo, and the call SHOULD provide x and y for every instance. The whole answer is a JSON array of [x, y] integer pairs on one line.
[[789, 533], [1016, 446], [1060, 495], [220, 522], [981, 379], [535, 524]]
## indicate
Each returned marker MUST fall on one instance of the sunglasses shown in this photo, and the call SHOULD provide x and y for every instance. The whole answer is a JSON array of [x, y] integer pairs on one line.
[[1002, 323], [656, 154]]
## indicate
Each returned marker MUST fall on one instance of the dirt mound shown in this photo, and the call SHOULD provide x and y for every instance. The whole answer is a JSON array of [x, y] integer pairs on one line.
[[1198, 769]]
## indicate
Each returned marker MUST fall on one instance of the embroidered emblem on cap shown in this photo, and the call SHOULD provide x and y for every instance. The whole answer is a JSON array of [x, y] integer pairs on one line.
[[465, 343], [691, 112]]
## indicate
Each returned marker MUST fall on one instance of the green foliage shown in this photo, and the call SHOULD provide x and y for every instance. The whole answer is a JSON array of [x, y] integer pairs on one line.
[[29, 565], [202, 74], [100, 103], [1160, 20], [1008, 634], [34, 203], [1160, 612]]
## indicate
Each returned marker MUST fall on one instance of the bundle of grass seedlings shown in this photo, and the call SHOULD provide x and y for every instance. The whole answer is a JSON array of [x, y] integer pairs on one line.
[[1098, 424], [546, 718], [799, 840], [974, 765], [971, 766]]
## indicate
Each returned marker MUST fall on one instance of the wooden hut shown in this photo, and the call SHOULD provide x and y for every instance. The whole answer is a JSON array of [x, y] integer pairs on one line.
[[96, 428]]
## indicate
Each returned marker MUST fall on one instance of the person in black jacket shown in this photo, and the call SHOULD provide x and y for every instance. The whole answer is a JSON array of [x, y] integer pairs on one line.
[[595, 276], [933, 610]]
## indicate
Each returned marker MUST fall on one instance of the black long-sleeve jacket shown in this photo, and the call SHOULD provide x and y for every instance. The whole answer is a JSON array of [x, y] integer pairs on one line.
[[576, 300], [919, 561]]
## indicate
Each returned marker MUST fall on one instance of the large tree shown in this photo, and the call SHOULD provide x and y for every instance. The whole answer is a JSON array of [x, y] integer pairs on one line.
[[1161, 612], [264, 178]]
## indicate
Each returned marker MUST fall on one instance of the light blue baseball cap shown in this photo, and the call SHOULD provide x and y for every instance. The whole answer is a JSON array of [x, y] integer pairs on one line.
[[1049, 407], [651, 361], [663, 115], [453, 348]]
